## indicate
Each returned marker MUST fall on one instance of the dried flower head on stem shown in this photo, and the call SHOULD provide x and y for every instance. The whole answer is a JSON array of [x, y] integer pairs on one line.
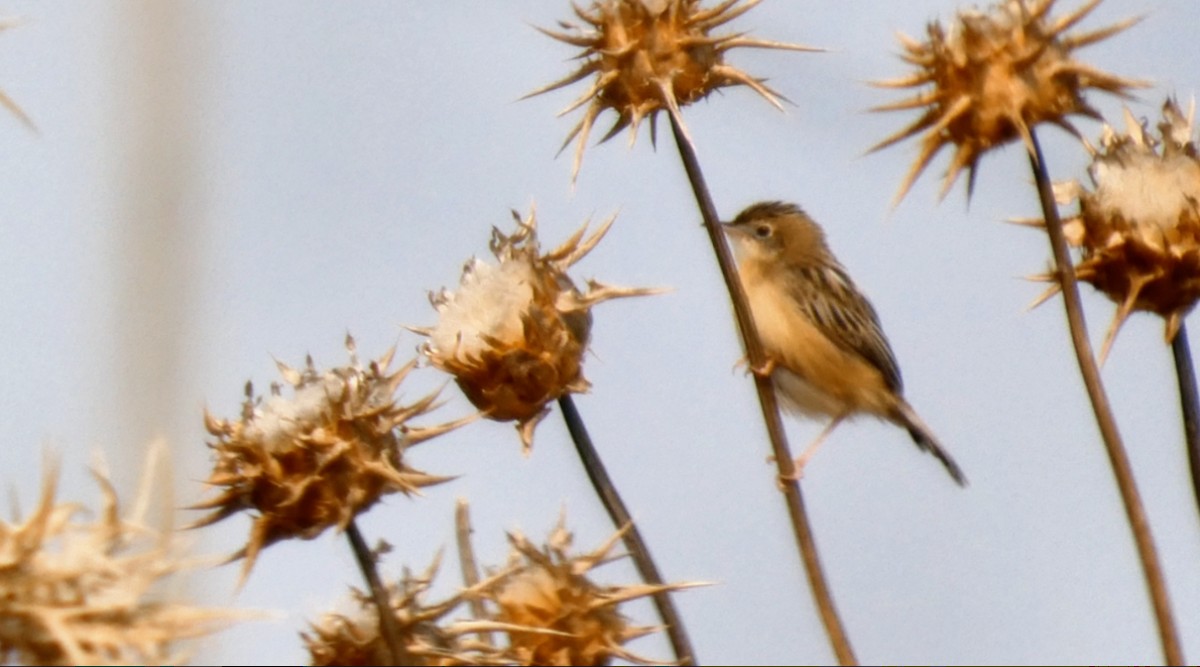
[[992, 76], [514, 333], [79, 592], [552, 589], [430, 636], [650, 55], [1138, 227], [319, 458]]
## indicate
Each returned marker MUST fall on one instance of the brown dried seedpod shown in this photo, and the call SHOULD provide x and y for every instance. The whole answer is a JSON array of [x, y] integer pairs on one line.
[[650, 55], [317, 459], [991, 77], [1138, 227], [513, 334]]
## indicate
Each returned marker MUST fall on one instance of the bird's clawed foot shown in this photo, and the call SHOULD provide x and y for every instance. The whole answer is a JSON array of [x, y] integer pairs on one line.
[[764, 370], [795, 475], [782, 480]]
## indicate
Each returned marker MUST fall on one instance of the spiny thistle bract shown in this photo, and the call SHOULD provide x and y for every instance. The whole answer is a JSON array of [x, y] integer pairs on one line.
[[1138, 228], [992, 77], [76, 592], [650, 55], [513, 334], [318, 459], [551, 589]]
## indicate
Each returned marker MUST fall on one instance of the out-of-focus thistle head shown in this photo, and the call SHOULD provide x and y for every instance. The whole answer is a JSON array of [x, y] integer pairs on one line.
[[514, 333], [1138, 227], [650, 55], [994, 75], [552, 590], [319, 458], [76, 592], [426, 632]]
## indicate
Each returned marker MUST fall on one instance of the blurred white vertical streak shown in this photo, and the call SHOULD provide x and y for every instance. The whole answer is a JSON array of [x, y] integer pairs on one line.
[[153, 133]]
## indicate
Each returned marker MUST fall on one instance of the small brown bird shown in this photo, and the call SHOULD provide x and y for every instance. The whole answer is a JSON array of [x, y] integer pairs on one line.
[[825, 349]]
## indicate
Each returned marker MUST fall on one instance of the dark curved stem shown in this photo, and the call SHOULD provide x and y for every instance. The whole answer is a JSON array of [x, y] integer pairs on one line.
[[781, 452], [1189, 400], [1134, 511], [638, 551], [387, 619]]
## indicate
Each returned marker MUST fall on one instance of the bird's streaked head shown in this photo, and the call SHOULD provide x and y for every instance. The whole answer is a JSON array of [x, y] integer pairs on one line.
[[779, 232]]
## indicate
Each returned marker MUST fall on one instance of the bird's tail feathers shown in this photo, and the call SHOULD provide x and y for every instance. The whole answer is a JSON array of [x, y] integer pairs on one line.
[[925, 440]]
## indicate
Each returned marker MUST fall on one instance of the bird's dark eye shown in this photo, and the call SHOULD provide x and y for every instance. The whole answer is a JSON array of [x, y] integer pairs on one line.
[[762, 231]]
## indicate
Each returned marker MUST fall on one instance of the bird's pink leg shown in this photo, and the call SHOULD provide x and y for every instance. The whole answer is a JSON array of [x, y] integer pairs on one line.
[[808, 452]]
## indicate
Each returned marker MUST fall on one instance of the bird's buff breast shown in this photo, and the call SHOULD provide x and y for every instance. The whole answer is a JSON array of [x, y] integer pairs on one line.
[[814, 376]]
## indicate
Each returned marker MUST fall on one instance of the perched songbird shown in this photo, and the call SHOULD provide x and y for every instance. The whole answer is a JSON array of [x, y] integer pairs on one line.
[[825, 349]]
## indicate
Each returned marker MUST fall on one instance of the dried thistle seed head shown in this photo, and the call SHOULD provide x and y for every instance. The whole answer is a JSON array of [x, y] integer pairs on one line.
[[993, 76], [650, 55], [317, 459], [354, 637], [1138, 228], [86, 592], [552, 590], [514, 333]]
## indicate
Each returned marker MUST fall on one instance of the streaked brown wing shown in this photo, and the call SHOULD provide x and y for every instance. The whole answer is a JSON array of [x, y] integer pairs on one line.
[[829, 298]]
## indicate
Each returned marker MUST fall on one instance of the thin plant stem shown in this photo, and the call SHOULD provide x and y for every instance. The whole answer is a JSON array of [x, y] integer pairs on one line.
[[1134, 511], [781, 452], [466, 560], [387, 619], [638, 551], [1189, 400]]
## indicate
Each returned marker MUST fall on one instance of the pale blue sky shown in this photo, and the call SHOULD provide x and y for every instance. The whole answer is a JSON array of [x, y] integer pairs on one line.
[[308, 168]]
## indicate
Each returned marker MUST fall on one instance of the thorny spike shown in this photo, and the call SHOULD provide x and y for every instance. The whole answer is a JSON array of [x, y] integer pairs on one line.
[[578, 253], [604, 80], [918, 78], [972, 172], [1050, 292], [1122, 314], [715, 11], [582, 129], [928, 152], [571, 78], [582, 41], [754, 43], [738, 76], [1067, 21], [416, 435], [1072, 42], [623, 121], [718, 20], [525, 430], [915, 128], [643, 590], [564, 249]]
